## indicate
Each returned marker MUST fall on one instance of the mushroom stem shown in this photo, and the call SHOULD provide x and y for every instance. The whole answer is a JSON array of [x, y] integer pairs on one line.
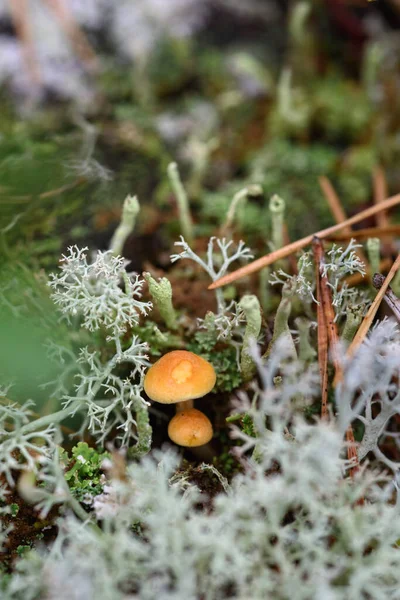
[[204, 453], [180, 406]]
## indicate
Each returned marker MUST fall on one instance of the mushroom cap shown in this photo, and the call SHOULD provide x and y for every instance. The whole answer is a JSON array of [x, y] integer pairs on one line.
[[179, 376], [190, 428]]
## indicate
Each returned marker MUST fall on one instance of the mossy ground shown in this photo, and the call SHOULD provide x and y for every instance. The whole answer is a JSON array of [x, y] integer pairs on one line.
[[339, 137]]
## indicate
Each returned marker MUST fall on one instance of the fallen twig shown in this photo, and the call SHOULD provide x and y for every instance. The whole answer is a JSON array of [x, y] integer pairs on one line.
[[272, 257]]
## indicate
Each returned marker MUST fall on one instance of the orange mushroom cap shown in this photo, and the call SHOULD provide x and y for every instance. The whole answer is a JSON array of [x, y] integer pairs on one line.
[[179, 376], [190, 428]]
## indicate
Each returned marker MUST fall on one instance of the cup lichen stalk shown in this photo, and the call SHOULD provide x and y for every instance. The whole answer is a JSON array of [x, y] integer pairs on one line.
[[239, 200], [161, 293], [252, 311], [354, 315], [281, 323], [185, 217], [130, 211], [374, 258], [306, 351], [277, 210]]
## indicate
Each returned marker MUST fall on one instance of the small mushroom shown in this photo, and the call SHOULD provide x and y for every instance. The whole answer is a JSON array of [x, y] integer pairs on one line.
[[178, 378], [190, 428]]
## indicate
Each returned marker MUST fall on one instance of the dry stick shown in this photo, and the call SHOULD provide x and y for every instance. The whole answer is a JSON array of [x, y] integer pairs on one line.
[[329, 316], [378, 232], [337, 211], [270, 258], [380, 194]]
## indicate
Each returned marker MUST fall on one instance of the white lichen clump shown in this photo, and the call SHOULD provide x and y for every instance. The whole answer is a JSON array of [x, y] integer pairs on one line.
[[289, 526]]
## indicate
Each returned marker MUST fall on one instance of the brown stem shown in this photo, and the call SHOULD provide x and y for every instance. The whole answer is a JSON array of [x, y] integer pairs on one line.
[[187, 405]]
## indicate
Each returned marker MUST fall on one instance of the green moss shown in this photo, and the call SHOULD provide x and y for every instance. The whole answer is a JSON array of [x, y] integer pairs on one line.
[[221, 356], [83, 471], [22, 550]]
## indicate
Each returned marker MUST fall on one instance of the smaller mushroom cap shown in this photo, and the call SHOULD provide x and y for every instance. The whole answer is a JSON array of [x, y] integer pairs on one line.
[[190, 428], [179, 376]]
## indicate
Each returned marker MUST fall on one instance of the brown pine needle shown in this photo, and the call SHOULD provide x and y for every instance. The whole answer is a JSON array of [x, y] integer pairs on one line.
[[369, 317], [334, 203], [380, 194], [272, 257], [326, 298], [378, 232], [352, 454], [337, 210], [322, 333]]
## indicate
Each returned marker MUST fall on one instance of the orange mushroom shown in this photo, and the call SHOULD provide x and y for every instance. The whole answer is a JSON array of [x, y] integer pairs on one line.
[[179, 376], [190, 428]]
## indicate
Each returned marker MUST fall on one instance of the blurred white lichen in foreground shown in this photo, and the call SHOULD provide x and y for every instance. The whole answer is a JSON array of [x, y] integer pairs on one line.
[[289, 526]]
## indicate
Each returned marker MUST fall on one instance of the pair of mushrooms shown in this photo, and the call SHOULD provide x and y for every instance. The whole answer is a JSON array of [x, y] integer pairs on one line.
[[178, 378]]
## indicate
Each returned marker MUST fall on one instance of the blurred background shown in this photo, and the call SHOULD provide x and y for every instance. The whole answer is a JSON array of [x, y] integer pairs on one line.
[[97, 97]]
